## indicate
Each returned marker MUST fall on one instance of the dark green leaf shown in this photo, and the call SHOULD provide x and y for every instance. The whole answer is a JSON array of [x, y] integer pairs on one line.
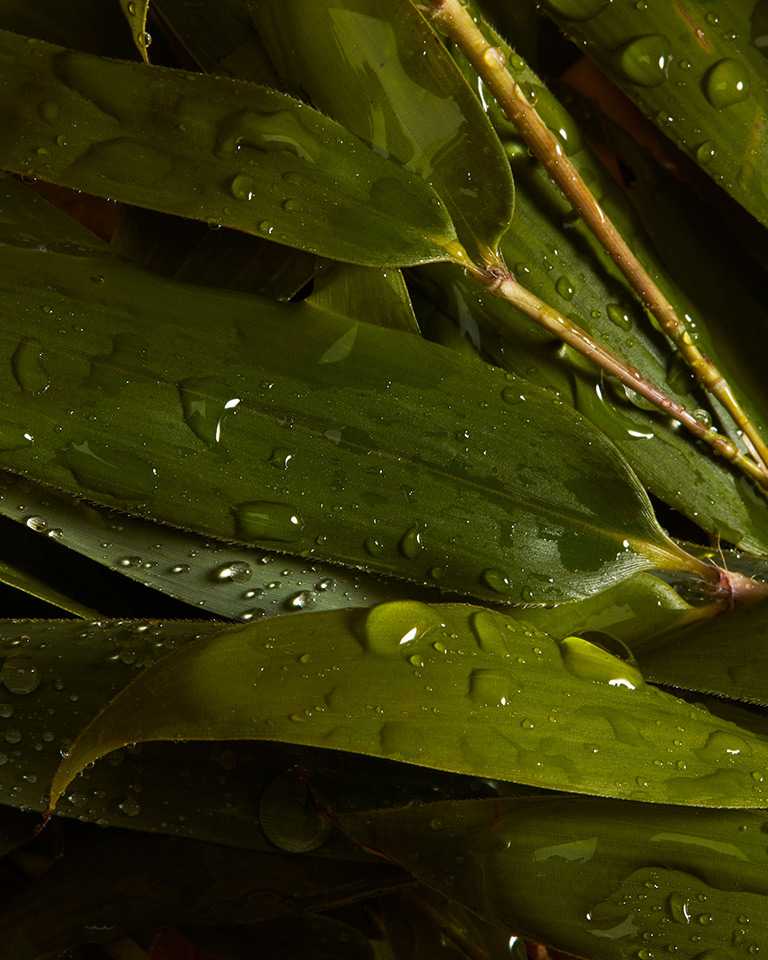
[[364, 446], [213, 149], [692, 69], [727, 656], [595, 878], [379, 69], [20, 579], [368, 293], [452, 687]]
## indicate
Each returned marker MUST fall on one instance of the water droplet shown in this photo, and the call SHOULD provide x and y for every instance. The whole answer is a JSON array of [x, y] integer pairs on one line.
[[327, 585], [394, 628], [678, 907], [179, 568], [373, 546], [485, 626], [130, 807], [706, 153], [238, 571], [720, 745], [268, 520], [253, 614], [726, 83], [13, 437], [104, 468], [410, 544], [280, 458], [301, 600], [619, 316], [645, 60], [496, 580], [205, 402], [577, 9], [28, 368], [289, 816], [243, 187], [565, 288], [20, 675], [38, 524], [490, 688], [512, 396], [590, 662]]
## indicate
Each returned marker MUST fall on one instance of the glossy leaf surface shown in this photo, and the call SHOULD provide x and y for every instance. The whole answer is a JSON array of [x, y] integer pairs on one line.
[[451, 687], [692, 69], [365, 293], [136, 12], [365, 446], [555, 256], [380, 70], [236, 582], [595, 878], [212, 149]]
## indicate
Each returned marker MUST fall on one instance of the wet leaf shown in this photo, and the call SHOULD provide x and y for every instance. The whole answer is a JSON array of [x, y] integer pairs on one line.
[[236, 582], [365, 446], [727, 656], [451, 687], [592, 877], [272, 166], [555, 256], [380, 70], [136, 12], [20, 579], [692, 69]]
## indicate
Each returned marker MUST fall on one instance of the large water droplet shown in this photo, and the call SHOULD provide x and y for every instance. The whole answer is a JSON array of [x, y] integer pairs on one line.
[[205, 402], [726, 83], [101, 467], [679, 908], [721, 745], [395, 628], [289, 816], [410, 543], [20, 675], [490, 688], [590, 662], [577, 9], [496, 579], [268, 520], [486, 628], [565, 288], [14, 437], [619, 316], [645, 60], [238, 571], [243, 187], [28, 367]]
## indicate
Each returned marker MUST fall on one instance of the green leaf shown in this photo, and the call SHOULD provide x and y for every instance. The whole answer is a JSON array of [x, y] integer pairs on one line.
[[236, 582], [381, 71], [364, 446], [136, 12], [727, 656], [226, 151], [595, 878], [694, 72], [556, 257], [377, 296], [451, 687]]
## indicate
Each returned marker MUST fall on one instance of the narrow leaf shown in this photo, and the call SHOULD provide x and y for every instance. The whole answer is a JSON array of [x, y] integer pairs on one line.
[[375, 295], [595, 878], [365, 446], [379, 69], [695, 73], [452, 687], [268, 165], [136, 12], [20, 579]]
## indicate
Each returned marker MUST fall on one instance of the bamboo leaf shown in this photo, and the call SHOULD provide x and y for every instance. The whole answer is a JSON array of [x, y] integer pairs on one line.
[[727, 656], [595, 878], [236, 582], [272, 167], [695, 73], [379, 296], [136, 12], [450, 687], [557, 258], [365, 446], [18, 578], [381, 71]]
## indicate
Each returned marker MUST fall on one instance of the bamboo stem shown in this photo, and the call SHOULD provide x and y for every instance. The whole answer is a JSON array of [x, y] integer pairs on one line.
[[504, 285], [489, 62]]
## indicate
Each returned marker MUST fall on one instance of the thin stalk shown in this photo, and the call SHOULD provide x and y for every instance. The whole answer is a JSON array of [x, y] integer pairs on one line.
[[503, 284], [489, 62]]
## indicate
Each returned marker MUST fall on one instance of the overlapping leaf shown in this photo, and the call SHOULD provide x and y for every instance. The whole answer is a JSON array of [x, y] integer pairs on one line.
[[212, 149], [379, 69], [692, 69], [595, 878], [451, 687]]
